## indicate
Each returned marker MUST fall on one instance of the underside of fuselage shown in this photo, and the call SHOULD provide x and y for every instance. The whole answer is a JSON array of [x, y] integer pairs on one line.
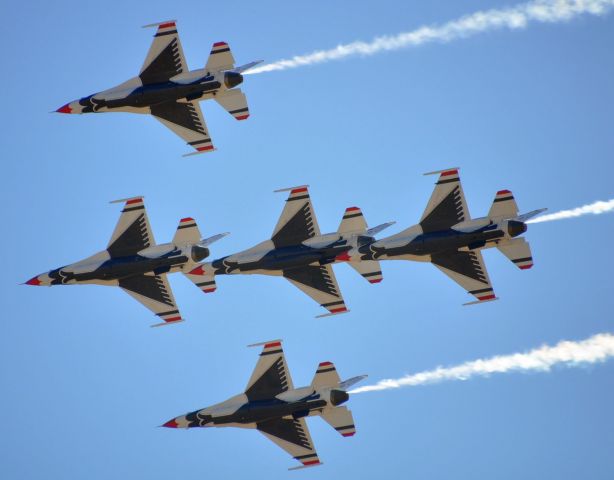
[[114, 269], [285, 258], [148, 95], [255, 412], [423, 246]]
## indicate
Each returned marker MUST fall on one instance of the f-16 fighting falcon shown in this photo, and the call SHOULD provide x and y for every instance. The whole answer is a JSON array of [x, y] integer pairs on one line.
[[134, 262], [447, 237], [298, 252], [166, 89], [275, 408]]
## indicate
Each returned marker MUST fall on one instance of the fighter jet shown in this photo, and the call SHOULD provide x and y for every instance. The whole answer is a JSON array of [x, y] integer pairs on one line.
[[166, 89], [134, 262], [447, 237], [298, 252], [275, 408]]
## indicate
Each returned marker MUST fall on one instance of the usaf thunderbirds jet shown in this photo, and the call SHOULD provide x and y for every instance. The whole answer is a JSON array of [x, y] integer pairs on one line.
[[134, 262], [166, 89], [274, 407], [447, 237], [298, 252]]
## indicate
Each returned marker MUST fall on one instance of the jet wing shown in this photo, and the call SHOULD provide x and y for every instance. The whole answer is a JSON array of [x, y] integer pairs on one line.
[[155, 293], [468, 270], [132, 232], [298, 221], [447, 205], [165, 58], [293, 436], [319, 283], [186, 120], [271, 376]]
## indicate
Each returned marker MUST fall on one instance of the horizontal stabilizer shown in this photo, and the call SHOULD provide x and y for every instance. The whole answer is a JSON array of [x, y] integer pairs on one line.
[[369, 269], [202, 276], [518, 251], [503, 206], [187, 232], [220, 58], [326, 376], [352, 221], [235, 103], [341, 419]]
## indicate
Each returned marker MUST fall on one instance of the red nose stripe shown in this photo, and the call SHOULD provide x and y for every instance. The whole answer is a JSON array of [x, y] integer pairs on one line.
[[65, 109], [33, 281], [171, 424]]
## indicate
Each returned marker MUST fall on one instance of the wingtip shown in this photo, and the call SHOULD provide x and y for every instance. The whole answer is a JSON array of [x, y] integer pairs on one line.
[[289, 189], [259, 344], [437, 172]]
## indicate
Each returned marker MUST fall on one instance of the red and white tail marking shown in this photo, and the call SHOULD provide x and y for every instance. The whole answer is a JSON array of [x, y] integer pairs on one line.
[[503, 195], [219, 47], [203, 279]]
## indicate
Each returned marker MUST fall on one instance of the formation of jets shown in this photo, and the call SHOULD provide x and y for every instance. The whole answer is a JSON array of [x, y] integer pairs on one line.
[[446, 236]]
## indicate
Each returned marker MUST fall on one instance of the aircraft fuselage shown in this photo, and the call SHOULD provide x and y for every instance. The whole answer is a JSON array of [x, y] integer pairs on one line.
[[133, 95], [279, 259], [418, 245], [102, 269], [239, 411]]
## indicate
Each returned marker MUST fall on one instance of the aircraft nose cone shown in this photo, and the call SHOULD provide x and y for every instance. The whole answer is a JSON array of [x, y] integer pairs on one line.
[[171, 424], [65, 109], [34, 281], [232, 79]]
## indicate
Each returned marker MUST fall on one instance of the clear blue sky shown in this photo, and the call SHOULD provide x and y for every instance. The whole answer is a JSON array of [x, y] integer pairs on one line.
[[85, 381]]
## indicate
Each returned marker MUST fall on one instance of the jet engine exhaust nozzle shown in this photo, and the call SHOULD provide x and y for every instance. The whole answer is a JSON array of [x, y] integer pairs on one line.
[[199, 253], [515, 228], [232, 79], [337, 397]]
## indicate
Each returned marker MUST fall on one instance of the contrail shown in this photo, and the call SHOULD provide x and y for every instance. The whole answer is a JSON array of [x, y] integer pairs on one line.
[[513, 18], [596, 208], [597, 348]]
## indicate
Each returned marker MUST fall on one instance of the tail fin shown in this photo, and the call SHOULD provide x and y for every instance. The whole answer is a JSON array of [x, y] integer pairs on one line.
[[203, 277], [326, 376], [187, 232], [503, 206], [518, 251], [352, 221]]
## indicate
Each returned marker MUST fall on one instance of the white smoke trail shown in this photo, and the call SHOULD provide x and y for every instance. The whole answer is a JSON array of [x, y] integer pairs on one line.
[[596, 208], [597, 348], [513, 18]]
